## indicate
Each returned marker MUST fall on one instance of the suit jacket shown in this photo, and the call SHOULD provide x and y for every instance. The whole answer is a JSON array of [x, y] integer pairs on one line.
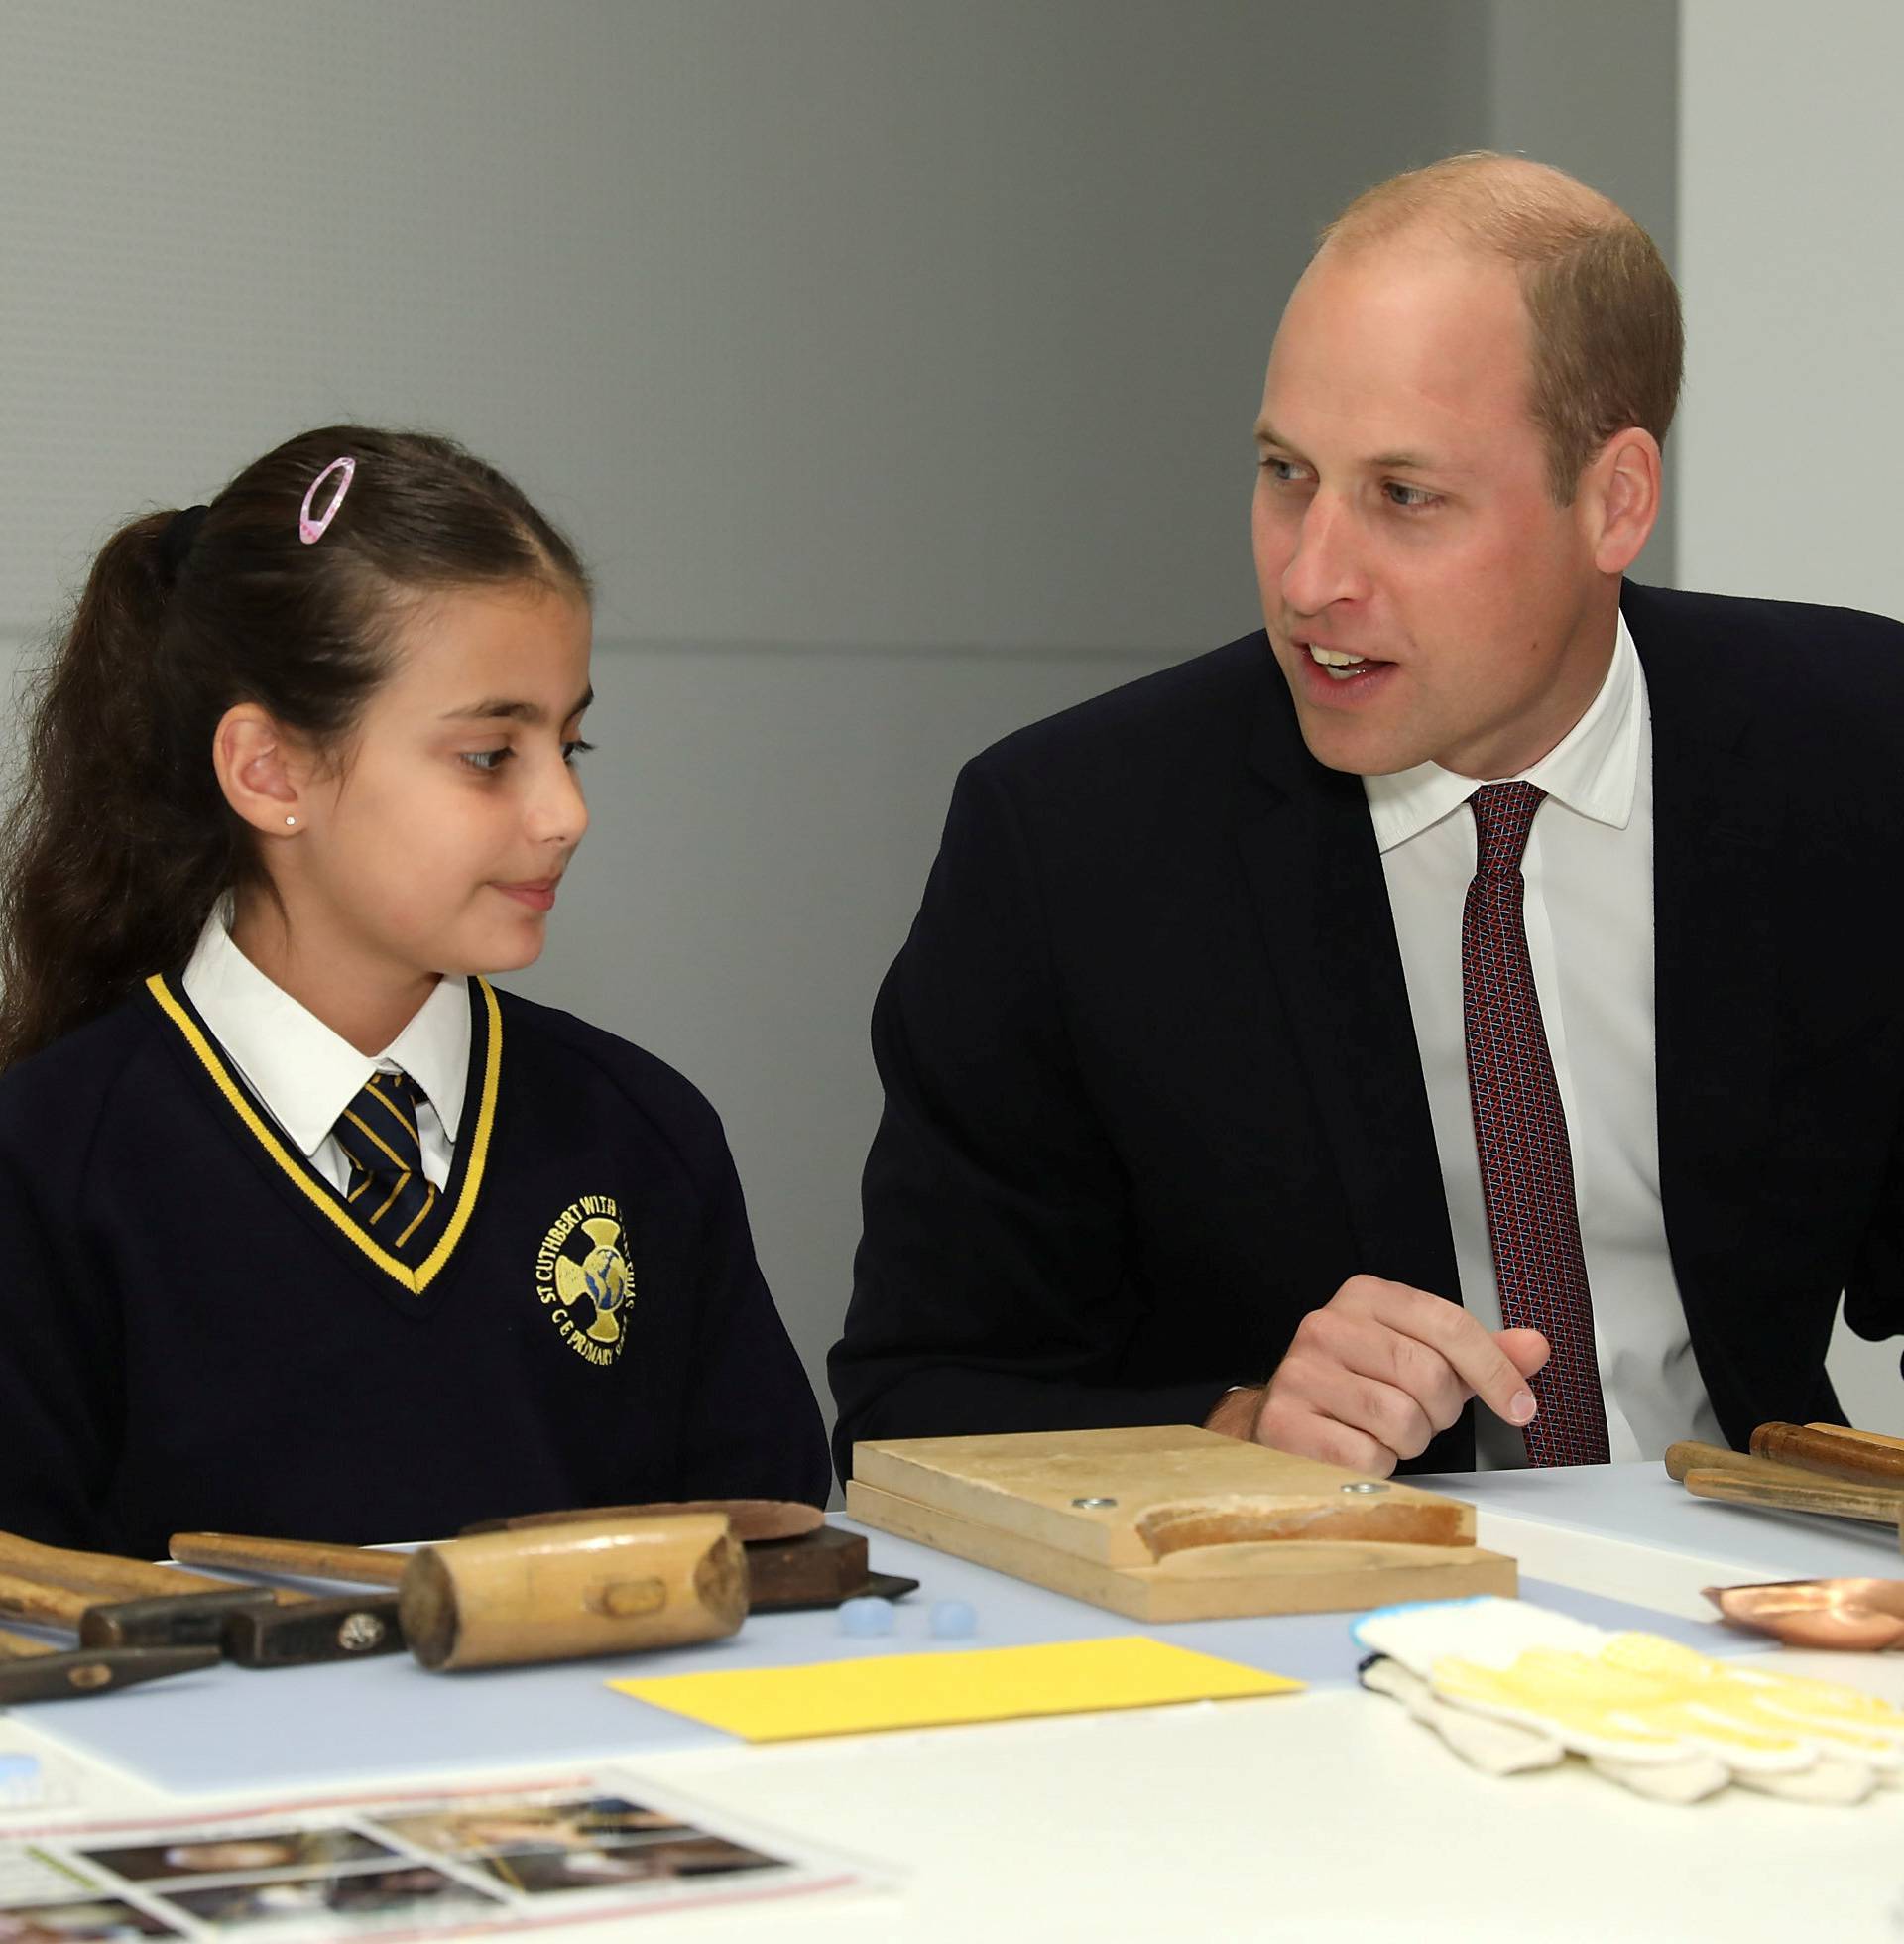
[[1151, 1084]]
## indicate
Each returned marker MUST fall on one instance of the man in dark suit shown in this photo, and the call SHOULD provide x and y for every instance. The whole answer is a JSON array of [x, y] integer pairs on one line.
[[1481, 984]]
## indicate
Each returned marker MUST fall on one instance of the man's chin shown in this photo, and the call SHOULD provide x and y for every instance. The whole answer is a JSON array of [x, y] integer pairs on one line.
[[1354, 748]]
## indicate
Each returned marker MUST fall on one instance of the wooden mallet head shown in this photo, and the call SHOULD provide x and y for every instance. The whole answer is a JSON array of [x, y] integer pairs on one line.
[[562, 1591]]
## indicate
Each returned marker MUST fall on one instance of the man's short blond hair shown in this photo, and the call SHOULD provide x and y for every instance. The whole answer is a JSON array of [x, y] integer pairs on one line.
[[1608, 342]]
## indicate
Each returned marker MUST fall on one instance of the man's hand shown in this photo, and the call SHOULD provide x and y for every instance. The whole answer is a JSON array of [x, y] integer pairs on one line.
[[1374, 1373]]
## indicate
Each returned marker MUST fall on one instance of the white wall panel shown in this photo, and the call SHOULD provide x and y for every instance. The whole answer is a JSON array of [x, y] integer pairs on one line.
[[1792, 266]]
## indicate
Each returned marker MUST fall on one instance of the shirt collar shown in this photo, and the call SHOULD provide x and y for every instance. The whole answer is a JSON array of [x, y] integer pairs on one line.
[[303, 1072], [1594, 769]]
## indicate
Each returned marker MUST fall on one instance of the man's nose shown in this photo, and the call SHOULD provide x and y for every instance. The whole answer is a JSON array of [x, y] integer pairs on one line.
[[1325, 566]]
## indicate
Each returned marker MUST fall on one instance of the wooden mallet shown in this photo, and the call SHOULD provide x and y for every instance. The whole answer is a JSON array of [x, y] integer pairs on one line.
[[547, 1592]]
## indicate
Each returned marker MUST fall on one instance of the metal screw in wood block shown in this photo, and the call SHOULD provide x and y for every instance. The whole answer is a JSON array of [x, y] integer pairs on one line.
[[1094, 1505], [1361, 1485]]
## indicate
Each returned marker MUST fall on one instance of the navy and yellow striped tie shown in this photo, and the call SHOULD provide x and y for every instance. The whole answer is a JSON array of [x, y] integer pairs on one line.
[[388, 1189]]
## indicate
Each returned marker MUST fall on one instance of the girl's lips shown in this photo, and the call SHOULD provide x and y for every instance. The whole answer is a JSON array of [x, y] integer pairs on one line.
[[538, 896]]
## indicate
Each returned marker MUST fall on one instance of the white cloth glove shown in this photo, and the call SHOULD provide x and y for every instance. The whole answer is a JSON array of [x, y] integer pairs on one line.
[[1511, 1686]]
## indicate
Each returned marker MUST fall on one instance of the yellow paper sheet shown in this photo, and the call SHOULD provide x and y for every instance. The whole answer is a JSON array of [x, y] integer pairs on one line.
[[925, 1690]]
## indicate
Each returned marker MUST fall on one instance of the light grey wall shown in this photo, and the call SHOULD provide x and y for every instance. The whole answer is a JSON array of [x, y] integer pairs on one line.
[[893, 362], [1791, 155], [1596, 90]]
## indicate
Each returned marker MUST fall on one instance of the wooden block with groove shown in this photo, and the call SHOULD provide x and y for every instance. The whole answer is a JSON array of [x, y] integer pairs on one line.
[[1174, 1523]]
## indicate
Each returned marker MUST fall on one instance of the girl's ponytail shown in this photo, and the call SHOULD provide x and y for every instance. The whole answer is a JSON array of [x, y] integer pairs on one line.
[[113, 850], [119, 840]]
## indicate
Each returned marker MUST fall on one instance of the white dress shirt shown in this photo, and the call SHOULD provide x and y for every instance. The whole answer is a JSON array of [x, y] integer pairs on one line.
[[1589, 911], [307, 1075]]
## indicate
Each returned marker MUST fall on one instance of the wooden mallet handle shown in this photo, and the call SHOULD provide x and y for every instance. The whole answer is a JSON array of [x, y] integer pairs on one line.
[[566, 1590], [1690, 1456], [1860, 1437], [1831, 1451], [299, 1558], [102, 1575], [751, 1520], [1879, 1506]]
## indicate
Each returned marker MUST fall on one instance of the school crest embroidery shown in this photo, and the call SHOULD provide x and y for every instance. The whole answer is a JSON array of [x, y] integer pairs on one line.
[[582, 1279]]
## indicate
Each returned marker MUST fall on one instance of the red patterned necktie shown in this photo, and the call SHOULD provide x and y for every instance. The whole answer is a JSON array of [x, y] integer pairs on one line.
[[1520, 1137]]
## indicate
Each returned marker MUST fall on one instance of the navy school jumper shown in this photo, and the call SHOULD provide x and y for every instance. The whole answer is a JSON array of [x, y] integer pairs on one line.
[[196, 1334]]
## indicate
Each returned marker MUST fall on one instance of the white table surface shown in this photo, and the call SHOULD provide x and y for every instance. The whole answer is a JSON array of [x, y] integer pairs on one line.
[[1325, 1815]]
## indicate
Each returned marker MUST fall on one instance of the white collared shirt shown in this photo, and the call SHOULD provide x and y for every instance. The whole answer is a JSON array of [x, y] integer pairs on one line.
[[307, 1075], [1588, 913]]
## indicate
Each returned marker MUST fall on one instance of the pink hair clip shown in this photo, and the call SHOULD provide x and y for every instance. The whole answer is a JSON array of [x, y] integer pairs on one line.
[[310, 530]]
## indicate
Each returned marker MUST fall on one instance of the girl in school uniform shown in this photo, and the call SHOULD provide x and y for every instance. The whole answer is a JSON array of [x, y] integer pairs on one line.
[[306, 1228]]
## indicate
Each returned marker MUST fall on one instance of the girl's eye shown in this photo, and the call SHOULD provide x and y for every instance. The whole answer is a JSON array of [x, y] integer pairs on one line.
[[486, 760], [570, 750]]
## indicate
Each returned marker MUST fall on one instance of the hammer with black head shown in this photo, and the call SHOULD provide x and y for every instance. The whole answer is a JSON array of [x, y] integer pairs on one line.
[[124, 1603], [32, 1670]]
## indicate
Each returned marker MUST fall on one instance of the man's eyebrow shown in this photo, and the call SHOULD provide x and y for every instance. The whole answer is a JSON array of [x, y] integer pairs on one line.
[[493, 709], [1266, 434]]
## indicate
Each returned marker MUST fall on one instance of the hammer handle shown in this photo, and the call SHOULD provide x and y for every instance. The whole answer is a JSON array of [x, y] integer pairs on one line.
[[1832, 1452], [751, 1520], [101, 1574], [1689, 1456], [300, 1558], [54, 1606], [1860, 1437], [1879, 1506]]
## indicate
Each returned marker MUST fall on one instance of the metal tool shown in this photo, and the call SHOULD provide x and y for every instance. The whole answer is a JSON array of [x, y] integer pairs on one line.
[[31, 1670], [249, 1625]]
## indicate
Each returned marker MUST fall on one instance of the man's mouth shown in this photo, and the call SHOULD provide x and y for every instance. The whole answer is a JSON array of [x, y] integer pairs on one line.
[[1338, 664]]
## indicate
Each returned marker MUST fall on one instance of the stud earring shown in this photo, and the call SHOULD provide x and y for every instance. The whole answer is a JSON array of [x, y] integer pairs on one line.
[[288, 821]]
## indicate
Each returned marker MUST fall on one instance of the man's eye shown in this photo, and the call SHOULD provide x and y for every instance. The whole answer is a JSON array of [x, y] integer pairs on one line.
[[572, 750], [1285, 472], [1408, 498], [486, 760]]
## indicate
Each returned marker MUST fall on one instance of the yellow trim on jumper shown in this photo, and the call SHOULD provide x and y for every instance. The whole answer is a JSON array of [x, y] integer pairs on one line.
[[414, 1279]]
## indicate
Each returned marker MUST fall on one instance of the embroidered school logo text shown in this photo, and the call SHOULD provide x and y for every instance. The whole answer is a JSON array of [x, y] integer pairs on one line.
[[582, 1278]]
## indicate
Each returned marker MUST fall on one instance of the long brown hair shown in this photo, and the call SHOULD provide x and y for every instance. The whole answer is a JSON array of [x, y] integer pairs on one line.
[[120, 841]]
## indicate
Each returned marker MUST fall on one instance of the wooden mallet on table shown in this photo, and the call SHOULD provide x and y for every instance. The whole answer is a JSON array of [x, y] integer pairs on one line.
[[112, 1601], [1785, 1472], [795, 1561], [555, 1592]]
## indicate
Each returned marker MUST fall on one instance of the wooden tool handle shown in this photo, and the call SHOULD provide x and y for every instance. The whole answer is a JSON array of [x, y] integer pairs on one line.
[[751, 1520], [102, 1575], [1830, 1452], [565, 1591], [31, 1598], [1860, 1437], [1879, 1508], [1690, 1456], [299, 1558]]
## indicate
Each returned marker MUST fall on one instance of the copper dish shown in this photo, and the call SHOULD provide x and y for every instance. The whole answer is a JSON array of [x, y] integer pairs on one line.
[[1854, 1616]]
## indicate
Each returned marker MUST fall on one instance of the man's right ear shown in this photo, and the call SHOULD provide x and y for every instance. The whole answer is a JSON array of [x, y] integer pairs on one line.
[[259, 770]]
